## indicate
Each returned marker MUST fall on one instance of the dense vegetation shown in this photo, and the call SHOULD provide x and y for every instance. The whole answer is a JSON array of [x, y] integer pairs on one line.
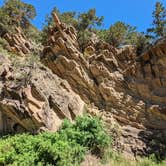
[[67, 147], [64, 148], [15, 13]]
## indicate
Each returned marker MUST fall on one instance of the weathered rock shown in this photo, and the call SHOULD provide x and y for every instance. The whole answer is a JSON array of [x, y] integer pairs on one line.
[[18, 43], [35, 99], [135, 142], [125, 87], [117, 81], [147, 83], [114, 80]]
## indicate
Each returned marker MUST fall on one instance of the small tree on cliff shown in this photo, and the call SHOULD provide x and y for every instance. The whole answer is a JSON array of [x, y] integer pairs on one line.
[[67, 17], [159, 20], [121, 33], [89, 20], [83, 22]]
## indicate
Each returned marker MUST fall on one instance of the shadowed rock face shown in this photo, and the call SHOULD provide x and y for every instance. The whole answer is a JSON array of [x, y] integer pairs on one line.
[[34, 99], [148, 82], [130, 87]]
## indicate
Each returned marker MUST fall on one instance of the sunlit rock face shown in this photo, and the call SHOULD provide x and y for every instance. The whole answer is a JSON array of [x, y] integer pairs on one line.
[[34, 99], [17, 42], [116, 80], [115, 84]]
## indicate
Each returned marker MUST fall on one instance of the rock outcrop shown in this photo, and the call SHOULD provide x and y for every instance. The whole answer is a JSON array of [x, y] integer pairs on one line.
[[34, 99], [148, 82], [118, 82], [17, 42]]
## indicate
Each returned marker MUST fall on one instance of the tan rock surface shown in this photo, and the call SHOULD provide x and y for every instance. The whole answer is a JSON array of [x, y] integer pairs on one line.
[[18, 43], [114, 80], [36, 99], [125, 87]]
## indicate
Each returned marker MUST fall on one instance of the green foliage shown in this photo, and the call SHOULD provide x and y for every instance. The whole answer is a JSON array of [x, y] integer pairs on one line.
[[70, 18], [33, 34], [64, 148], [89, 20], [83, 22], [3, 43], [124, 34], [159, 20], [103, 34], [83, 38], [121, 33], [15, 13], [117, 33], [88, 132], [142, 42]]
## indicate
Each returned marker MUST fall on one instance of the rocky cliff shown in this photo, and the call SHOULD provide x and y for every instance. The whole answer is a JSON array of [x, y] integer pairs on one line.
[[118, 83], [34, 99]]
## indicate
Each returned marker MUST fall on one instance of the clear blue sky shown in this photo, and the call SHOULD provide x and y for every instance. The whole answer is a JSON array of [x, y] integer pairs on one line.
[[134, 12]]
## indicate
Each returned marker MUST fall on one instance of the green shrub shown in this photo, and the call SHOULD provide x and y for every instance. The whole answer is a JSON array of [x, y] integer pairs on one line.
[[67, 147], [88, 132]]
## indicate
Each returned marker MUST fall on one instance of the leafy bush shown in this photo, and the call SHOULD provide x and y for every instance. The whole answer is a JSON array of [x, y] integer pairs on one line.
[[64, 148], [88, 132]]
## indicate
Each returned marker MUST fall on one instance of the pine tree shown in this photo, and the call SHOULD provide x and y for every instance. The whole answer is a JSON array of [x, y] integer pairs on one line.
[[159, 20], [16, 13]]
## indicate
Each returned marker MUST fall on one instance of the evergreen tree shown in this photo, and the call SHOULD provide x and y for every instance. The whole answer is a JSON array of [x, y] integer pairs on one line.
[[159, 20], [89, 20], [121, 33], [15, 13], [83, 22]]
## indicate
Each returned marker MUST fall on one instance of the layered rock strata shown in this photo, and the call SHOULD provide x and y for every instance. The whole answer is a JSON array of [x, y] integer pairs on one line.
[[18, 42], [118, 81], [34, 99]]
